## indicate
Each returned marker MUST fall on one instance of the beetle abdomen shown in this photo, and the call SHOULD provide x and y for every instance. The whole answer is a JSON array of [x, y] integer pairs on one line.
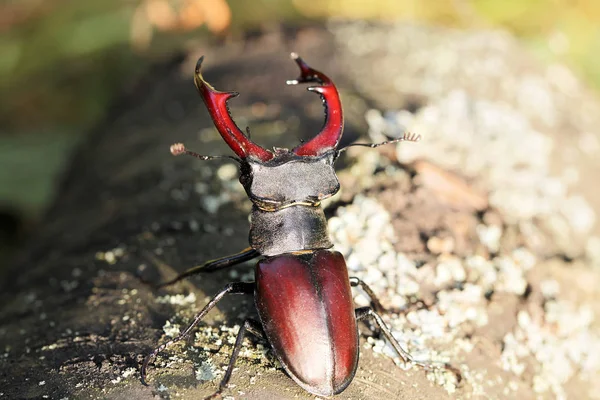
[[305, 305]]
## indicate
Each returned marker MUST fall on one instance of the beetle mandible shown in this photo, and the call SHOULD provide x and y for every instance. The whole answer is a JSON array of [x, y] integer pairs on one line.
[[302, 290]]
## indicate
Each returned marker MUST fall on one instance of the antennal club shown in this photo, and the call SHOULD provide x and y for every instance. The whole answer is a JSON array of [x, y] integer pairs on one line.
[[406, 137], [178, 149]]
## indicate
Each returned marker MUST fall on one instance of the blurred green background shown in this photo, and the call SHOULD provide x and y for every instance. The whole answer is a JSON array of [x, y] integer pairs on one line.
[[63, 62]]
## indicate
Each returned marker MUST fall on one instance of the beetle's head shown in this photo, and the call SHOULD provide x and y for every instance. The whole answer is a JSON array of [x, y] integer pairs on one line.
[[277, 178]]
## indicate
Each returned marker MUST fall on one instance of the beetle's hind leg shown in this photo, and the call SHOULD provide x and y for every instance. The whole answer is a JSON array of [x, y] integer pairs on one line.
[[232, 288], [210, 266], [250, 326], [368, 312]]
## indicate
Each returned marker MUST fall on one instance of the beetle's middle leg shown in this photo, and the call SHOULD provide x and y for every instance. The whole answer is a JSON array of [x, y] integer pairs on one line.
[[373, 313], [232, 288], [376, 304], [368, 312], [210, 266]]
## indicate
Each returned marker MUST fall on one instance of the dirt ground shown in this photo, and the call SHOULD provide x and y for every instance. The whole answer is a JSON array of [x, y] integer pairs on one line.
[[484, 232]]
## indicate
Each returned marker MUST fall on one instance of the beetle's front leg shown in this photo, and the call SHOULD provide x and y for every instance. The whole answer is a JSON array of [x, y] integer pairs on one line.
[[232, 288], [210, 266]]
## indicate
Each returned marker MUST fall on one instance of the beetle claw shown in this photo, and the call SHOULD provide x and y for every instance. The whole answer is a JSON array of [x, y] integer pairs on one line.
[[216, 103], [331, 132]]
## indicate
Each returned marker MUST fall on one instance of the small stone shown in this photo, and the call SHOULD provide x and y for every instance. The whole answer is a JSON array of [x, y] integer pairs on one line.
[[439, 245], [227, 172]]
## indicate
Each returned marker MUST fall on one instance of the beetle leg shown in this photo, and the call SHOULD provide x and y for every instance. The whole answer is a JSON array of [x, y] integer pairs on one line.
[[232, 288], [377, 306], [252, 326], [368, 312], [210, 266]]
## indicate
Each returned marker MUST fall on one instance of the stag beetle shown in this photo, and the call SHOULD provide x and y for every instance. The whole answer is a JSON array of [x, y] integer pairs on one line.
[[302, 290]]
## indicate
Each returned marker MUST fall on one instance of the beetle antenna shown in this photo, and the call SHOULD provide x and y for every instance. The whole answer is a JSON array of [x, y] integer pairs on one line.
[[407, 137], [178, 149]]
